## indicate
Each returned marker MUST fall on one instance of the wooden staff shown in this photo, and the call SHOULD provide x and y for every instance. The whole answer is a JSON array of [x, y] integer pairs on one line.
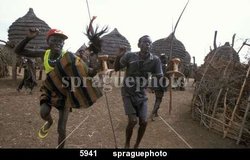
[[88, 9], [170, 56], [105, 72], [225, 109], [174, 73], [244, 120], [244, 43]]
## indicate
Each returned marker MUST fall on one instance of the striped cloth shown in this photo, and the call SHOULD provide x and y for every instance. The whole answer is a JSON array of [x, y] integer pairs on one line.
[[61, 81]]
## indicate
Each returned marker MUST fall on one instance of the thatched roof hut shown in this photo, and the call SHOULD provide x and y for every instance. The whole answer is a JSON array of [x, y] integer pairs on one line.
[[178, 49], [112, 42], [19, 29], [225, 53]]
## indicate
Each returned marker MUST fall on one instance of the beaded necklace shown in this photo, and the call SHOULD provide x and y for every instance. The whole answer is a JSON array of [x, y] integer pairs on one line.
[[53, 62]]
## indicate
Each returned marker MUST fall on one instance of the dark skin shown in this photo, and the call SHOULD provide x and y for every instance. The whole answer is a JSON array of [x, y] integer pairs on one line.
[[20, 50], [158, 99], [144, 44], [55, 43]]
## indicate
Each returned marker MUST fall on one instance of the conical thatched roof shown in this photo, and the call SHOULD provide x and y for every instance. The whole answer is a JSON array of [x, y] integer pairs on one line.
[[113, 41], [223, 53], [178, 50], [19, 29]]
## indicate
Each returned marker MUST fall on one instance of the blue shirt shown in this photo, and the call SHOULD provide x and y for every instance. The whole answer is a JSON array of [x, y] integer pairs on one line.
[[137, 72]]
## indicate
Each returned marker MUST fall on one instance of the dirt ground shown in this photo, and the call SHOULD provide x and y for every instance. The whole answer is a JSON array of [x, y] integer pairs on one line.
[[91, 128]]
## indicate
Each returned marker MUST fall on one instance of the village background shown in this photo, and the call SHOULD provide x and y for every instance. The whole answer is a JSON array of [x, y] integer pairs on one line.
[[213, 113]]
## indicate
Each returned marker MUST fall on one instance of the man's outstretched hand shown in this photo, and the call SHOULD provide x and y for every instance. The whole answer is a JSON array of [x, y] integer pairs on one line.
[[33, 32]]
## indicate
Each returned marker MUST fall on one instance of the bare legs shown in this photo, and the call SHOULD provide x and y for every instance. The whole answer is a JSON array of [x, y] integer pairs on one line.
[[141, 131], [20, 86], [132, 121], [45, 115], [156, 108], [158, 99], [61, 128]]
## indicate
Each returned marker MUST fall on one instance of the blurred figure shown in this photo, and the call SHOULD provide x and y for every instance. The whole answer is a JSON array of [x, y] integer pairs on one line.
[[160, 89], [29, 80]]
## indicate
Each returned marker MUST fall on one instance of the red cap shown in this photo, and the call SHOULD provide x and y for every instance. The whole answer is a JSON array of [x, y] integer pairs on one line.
[[56, 32]]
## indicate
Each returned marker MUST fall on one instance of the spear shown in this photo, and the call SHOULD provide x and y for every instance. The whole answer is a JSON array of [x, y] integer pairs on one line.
[[92, 35], [88, 9], [170, 56]]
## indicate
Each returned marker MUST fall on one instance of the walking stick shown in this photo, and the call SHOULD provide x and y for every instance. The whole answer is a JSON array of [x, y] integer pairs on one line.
[[174, 73], [105, 72], [170, 57]]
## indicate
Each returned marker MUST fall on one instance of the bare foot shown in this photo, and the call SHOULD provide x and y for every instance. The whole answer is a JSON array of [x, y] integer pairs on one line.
[[136, 146], [127, 146]]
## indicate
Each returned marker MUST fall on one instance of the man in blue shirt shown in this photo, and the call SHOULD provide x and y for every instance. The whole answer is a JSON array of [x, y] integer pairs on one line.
[[138, 66]]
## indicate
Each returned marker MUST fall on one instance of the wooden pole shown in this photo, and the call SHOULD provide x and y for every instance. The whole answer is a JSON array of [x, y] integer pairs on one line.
[[170, 57], [199, 84], [225, 110], [215, 36], [88, 9], [119, 77], [244, 43], [170, 94], [243, 121], [221, 89], [233, 40], [14, 67], [237, 102]]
